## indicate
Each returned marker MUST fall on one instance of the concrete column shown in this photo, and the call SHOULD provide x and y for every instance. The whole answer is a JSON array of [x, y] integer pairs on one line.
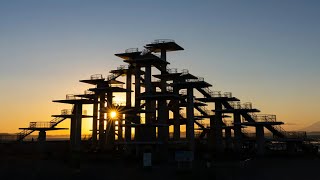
[[78, 119], [218, 127], [102, 136], [163, 54], [42, 136], [163, 112], [120, 133], [73, 127], [190, 119], [260, 139], [110, 126], [228, 140], [151, 131], [137, 92], [95, 122], [212, 133], [237, 132], [176, 114], [128, 104]]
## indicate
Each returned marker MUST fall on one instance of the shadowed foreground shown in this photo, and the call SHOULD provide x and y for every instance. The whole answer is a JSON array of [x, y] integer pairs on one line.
[[28, 164]]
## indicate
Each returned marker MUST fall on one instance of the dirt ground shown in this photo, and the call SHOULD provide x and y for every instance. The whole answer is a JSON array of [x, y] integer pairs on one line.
[[29, 164]]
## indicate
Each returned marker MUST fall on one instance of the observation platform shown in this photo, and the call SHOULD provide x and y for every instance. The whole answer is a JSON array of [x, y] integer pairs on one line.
[[110, 89], [148, 59], [75, 101], [237, 110], [217, 98], [159, 95], [130, 53], [43, 128], [260, 123], [193, 83], [165, 44]]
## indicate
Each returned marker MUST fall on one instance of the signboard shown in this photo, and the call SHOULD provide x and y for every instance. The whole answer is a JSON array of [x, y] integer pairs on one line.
[[184, 156], [147, 160]]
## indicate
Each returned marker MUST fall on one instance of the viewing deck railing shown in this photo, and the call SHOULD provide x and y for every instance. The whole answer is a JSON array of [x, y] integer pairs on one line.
[[40, 124], [264, 117], [159, 41], [66, 112], [72, 97], [132, 50], [239, 105], [199, 79], [119, 103], [121, 67], [96, 76], [111, 77], [184, 71], [217, 93], [172, 70]]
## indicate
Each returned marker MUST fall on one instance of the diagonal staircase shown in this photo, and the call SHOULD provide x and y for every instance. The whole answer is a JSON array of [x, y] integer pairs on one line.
[[53, 123]]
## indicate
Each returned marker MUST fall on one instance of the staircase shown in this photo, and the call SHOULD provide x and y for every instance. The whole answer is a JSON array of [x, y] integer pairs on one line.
[[53, 123]]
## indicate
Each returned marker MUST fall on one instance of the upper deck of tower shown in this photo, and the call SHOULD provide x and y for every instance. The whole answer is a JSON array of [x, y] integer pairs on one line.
[[163, 44]]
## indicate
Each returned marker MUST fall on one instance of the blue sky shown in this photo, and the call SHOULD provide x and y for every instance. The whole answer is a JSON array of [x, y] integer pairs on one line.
[[266, 52]]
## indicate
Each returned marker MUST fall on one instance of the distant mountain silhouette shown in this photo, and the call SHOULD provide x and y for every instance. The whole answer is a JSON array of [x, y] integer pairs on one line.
[[315, 127]]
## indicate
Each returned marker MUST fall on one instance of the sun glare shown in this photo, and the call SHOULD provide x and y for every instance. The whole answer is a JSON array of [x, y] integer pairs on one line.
[[113, 114]]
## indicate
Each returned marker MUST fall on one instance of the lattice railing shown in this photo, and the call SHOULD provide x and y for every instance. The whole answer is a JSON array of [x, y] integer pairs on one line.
[[184, 71], [239, 105], [172, 70], [264, 117], [199, 79], [96, 76], [132, 50], [160, 41]]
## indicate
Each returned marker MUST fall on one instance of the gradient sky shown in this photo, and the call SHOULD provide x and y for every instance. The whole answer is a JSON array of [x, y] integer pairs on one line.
[[265, 52]]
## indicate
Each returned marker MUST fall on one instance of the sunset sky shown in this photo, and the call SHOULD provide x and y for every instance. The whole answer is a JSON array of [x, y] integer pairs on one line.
[[265, 52]]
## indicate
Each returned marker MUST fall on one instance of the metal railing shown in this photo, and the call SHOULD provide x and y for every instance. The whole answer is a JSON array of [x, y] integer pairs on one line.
[[227, 94], [199, 79], [73, 97], [121, 67], [208, 91], [111, 77], [239, 105], [119, 103], [66, 112], [264, 118], [159, 41], [132, 50], [96, 76], [172, 70], [217, 93], [70, 97], [41, 124], [184, 71]]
